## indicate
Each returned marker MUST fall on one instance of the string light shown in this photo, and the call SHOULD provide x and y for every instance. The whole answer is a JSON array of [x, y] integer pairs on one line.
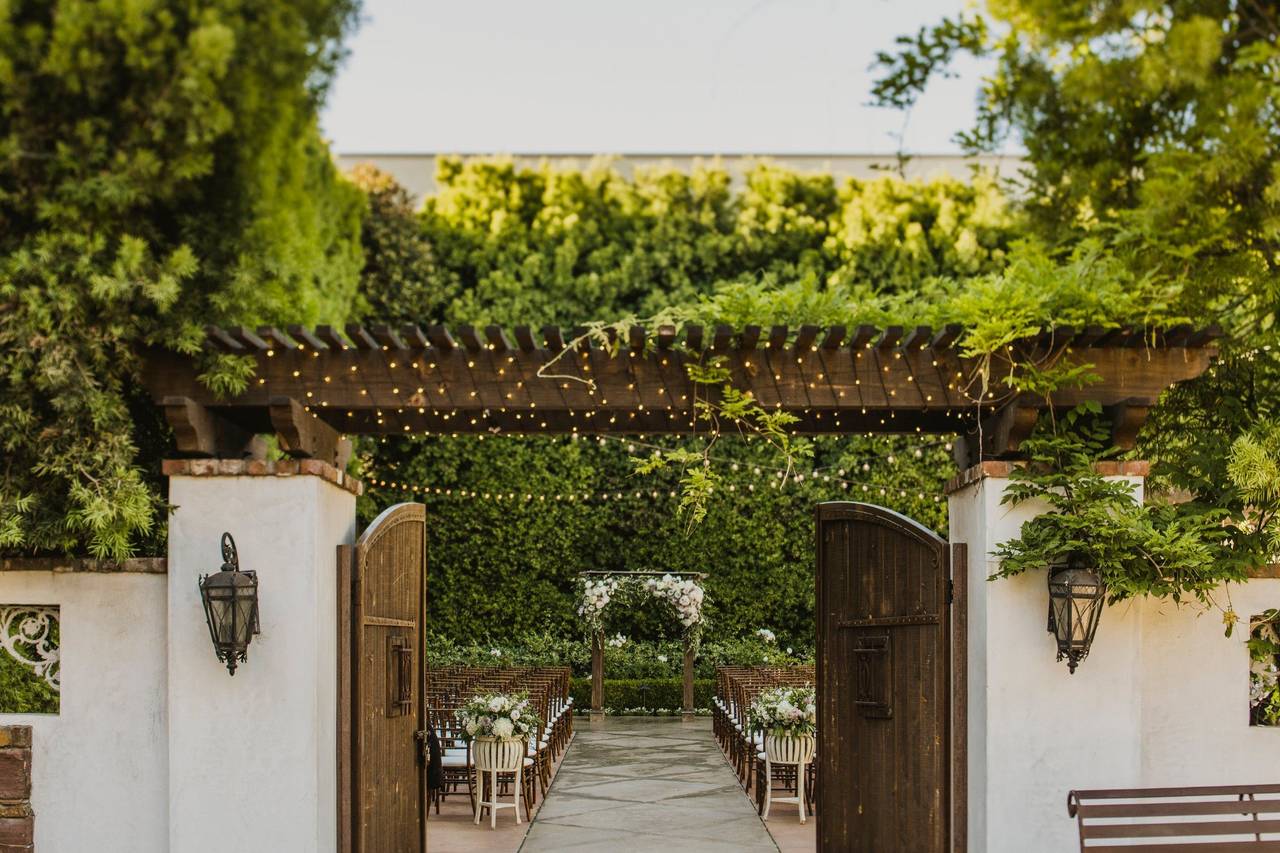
[[778, 478]]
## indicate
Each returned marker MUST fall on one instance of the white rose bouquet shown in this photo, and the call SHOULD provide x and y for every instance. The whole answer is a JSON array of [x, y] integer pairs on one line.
[[595, 598], [502, 715], [785, 712], [685, 598]]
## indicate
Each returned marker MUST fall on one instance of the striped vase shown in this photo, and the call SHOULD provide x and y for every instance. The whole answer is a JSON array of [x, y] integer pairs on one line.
[[789, 749], [501, 754]]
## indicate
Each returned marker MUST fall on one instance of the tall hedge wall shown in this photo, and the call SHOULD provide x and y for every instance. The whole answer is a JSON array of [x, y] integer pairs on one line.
[[500, 568]]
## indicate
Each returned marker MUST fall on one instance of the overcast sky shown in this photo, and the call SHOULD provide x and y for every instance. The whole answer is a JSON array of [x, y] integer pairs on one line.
[[602, 76]]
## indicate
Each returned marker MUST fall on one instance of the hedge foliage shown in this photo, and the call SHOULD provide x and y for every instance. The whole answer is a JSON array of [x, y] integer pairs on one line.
[[499, 569], [636, 659], [512, 244], [651, 693], [161, 168], [561, 245], [22, 691]]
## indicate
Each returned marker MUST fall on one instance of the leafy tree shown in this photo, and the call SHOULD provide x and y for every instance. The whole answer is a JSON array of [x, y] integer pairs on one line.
[[160, 167], [400, 281], [547, 245], [1152, 128], [1153, 124]]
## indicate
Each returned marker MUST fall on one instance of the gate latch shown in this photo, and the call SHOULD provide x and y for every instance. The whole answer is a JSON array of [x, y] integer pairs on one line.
[[873, 680], [420, 738]]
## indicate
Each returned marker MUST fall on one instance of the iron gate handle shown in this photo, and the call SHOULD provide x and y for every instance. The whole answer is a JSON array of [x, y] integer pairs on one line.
[[873, 676]]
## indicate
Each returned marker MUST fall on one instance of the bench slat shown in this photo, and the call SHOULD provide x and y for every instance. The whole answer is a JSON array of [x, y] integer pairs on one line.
[[1201, 791], [1197, 847], [1240, 807], [1243, 826]]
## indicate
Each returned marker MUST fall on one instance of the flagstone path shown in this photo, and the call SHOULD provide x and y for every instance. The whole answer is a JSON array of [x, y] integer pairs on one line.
[[642, 784]]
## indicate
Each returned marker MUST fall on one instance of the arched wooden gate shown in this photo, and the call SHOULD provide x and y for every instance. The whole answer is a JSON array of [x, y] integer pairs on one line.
[[382, 599], [886, 749]]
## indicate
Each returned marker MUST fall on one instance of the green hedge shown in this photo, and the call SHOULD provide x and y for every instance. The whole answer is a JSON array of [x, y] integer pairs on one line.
[[658, 693], [499, 570], [24, 692]]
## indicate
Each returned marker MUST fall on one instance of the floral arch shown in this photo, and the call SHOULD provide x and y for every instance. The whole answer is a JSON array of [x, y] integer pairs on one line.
[[683, 595]]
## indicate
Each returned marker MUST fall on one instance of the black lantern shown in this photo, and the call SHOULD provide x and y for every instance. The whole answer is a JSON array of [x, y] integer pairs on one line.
[[1076, 597], [230, 599]]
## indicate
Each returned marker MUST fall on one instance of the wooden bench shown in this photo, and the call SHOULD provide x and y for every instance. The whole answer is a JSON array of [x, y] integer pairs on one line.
[[1212, 819]]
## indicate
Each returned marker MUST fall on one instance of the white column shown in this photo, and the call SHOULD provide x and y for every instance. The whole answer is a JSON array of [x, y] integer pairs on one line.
[[1034, 730], [252, 758]]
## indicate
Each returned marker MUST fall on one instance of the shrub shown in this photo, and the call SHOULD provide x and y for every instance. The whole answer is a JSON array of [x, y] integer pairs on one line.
[[643, 693]]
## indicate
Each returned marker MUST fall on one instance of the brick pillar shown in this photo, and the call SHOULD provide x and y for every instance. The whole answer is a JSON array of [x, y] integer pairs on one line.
[[17, 821]]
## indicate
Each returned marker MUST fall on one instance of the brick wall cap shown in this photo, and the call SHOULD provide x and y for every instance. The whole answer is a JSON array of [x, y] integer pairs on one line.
[[260, 468], [1002, 469]]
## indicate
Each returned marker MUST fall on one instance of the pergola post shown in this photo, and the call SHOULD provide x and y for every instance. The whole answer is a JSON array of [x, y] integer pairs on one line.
[[687, 709], [597, 676]]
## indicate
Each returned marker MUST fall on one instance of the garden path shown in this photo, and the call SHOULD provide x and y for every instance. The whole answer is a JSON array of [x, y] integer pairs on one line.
[[641, 784]]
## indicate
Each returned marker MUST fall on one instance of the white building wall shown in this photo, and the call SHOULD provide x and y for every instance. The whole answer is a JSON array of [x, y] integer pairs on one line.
[[416, 172], [99, 767], [253, 757], [1161, 700]]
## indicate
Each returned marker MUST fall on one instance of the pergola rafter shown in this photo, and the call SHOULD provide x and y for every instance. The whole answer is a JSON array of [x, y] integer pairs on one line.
[[313, 386]]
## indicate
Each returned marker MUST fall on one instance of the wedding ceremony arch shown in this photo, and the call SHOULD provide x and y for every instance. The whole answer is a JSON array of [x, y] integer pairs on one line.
[[682, 591]]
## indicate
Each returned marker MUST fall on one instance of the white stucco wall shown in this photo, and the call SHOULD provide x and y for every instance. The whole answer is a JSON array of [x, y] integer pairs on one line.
[[253, 757], [99, 766], [1161, 700], [1195, 694]]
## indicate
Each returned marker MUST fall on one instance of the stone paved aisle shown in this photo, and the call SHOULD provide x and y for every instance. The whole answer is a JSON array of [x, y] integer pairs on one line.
[[641, 784]]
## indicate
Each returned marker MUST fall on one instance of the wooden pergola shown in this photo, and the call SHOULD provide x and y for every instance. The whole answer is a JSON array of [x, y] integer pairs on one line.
[[313, 386]]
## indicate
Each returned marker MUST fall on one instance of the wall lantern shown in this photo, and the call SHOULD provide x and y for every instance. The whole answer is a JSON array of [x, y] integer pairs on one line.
[[230, 599], [1075, 605]]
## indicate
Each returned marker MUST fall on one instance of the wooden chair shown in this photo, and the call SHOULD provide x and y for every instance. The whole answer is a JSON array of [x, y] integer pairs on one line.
[[455, 756], [1204, 819]]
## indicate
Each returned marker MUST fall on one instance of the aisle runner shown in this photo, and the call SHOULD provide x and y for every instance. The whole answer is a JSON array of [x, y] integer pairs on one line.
[[641, 784]]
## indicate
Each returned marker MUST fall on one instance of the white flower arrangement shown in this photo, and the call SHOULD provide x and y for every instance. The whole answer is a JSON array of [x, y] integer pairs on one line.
[[501, 715], [766, 635], [684, 596], [596, 595], [785, 712], [617, 641]]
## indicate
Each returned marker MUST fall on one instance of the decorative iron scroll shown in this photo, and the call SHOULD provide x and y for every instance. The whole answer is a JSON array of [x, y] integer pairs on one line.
[[27, 634]]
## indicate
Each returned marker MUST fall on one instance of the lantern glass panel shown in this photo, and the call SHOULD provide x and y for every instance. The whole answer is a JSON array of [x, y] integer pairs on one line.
[[1075, 607]]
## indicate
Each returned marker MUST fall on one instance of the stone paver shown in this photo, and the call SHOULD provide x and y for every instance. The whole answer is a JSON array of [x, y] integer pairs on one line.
[[645, 785]]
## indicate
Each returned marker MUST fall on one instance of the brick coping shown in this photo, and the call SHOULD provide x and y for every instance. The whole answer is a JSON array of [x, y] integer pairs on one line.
[[262, 468], [1000, 468], [70, 565]]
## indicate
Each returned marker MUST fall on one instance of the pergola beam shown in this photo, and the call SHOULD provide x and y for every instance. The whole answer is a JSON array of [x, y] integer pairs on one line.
[[832, 380]]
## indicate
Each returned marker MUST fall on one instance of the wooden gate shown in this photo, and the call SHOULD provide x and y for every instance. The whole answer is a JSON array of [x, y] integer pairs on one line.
[[382, 582], [884, 683]]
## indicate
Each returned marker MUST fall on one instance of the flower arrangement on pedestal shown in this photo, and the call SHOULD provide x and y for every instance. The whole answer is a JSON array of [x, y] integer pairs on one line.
[[785, 712], [504, 716]]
